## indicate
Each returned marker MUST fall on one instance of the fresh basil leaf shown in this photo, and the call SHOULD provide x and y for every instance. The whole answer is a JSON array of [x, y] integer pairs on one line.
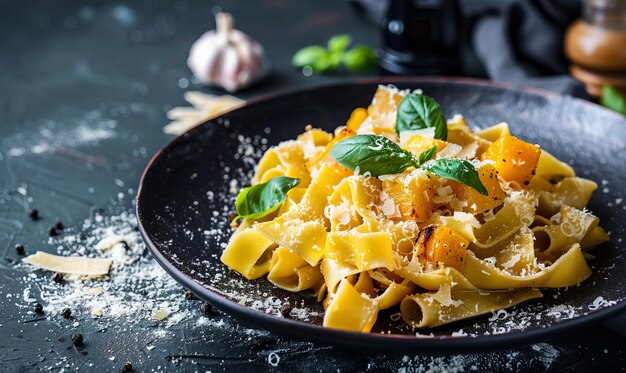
[[309, 56], [427, 155], [260, 200], [360, 58], [334, 59], [613, 99], [376, 155], [323, 64], [417, 111], [458, 170], [339, 43]]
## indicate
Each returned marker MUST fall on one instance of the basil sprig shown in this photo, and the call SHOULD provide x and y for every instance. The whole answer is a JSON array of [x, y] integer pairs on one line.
[[377, 155], [259, 200], [417, 111], [321, 60], [458, 170], [427, 155]]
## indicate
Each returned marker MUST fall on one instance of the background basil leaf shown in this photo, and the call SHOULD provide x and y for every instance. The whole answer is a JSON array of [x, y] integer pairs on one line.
[[309, 56], [417, 111], [427, 155], [360, 58], [339, 43], [260, 200], [458, 170], [374, 154], [612, 99]]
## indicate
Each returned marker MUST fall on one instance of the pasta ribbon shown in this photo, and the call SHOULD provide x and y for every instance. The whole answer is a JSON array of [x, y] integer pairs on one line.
[[364, 251], [248, 253], [550, 167], [307, 239], [426, 311], [518, 212], [571, 191], [290, 272], [286, 159], [350, 310], [570, 269], [553, 239]]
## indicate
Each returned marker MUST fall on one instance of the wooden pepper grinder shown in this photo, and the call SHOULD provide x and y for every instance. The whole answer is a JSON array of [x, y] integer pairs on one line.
[[596, 45]]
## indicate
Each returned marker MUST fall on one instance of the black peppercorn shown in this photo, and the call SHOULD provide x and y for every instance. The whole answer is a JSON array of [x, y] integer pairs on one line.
[[39, 309], [52, 231], [59, 225], [206, 308], [285, 309], [67, 313], [128, 367], [57, 277], [77, 339], [19, 248], [33, 214], [189, 295]]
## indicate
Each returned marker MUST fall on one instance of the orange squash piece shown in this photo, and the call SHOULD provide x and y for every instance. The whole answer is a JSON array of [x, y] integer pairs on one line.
[[442, 247], [514, 159], [415, 200], [323, 157], [418, 144], [385, 102], [476, 202], [357, 118]]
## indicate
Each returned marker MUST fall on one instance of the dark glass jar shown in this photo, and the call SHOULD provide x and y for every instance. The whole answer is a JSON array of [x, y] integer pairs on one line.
[[420, 37]]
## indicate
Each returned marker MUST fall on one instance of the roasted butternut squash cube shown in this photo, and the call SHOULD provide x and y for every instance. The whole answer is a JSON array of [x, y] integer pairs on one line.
[[442, 247], [414, 198], [357, 118], [474, 202], [385, 102], [323, 158], [418, 144], [514, 159]]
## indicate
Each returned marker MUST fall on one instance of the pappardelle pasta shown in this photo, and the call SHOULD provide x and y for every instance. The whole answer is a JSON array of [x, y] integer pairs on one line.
[[401, 208]]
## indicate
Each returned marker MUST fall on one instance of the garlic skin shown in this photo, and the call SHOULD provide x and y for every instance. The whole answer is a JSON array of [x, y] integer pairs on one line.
[[226, 57]]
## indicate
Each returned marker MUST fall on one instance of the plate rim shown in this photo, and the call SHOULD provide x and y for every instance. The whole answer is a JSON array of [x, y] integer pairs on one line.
[[348, 339]]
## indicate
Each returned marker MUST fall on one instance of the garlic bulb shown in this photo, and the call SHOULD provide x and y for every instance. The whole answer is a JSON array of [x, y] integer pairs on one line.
[[226, 57]]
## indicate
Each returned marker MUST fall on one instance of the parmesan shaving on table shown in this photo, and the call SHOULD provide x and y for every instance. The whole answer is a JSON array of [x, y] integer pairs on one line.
[[204, 107], [72, 265]]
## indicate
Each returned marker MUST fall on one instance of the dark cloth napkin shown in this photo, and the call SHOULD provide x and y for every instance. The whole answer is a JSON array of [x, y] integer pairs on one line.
[[521, 41]]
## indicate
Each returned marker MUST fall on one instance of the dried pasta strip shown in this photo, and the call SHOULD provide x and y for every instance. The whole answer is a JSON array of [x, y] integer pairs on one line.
[[73, 265]]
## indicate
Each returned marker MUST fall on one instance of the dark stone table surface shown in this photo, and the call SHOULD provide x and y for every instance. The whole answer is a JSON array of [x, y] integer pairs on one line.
[[84, 87]]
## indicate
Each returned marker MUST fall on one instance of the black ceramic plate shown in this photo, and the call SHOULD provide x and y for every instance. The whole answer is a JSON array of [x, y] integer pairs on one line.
[[187, 190]]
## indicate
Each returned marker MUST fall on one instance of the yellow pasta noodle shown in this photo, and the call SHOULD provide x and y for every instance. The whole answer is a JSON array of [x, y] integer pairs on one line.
[[249, 254], [424, 311], [351, 310], [570, 269], [290, 272]]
